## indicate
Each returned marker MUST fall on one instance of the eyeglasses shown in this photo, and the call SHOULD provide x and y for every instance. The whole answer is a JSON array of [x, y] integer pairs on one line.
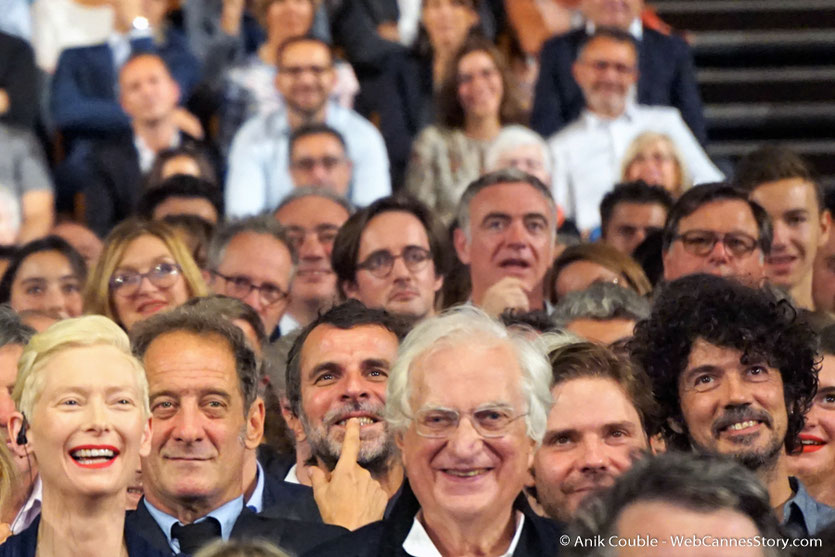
[[309, 163], [325, 233], [490, 422], [380, 263], [240, 287], [296, 71], [163, 275], [702, 242], [603, 65]]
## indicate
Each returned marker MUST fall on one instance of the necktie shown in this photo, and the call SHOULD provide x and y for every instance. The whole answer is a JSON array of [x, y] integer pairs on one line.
[[194, 536]]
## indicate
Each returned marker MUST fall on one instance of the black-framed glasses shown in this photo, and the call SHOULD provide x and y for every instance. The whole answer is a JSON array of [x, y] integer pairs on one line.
[[380, 263], [325, 233], [489, 421], [239, 286], [296, 71], [702, 242], [307, 164], [162, 275]]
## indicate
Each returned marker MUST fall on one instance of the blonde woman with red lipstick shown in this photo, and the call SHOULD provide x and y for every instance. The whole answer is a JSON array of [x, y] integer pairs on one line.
[[144, 268], [84, 418]]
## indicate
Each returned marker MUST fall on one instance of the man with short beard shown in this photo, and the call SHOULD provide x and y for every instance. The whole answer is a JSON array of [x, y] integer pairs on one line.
[[337, 372], [735, 372]]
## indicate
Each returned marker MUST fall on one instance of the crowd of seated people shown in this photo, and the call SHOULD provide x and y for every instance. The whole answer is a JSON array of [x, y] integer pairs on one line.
[[314, 278]]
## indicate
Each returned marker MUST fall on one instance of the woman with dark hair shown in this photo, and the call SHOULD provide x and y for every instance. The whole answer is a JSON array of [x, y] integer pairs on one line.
[[185, 159], [46, 275], [473, 104]]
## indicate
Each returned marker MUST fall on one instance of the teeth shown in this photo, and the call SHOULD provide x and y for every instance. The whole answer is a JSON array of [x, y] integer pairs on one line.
[[466, 473], [810, 442], [362, 420], [742, 425], [93, 453]]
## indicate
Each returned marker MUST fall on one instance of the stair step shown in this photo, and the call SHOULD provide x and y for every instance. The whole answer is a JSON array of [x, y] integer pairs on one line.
[[724, 85]]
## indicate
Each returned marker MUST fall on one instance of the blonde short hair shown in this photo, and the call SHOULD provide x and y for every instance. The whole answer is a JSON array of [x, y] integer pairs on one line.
[[89, 330], [97, 298], [647, 138]]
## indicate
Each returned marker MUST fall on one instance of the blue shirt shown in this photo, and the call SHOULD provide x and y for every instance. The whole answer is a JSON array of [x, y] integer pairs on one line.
[[802, 515], [226, 514], [255, 503], [259, 175]]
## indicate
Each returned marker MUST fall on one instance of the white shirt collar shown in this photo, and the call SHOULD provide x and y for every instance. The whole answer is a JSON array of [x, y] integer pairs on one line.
[[148, 155], [636, 28], [291, 476], [419, 544], [30, 510]]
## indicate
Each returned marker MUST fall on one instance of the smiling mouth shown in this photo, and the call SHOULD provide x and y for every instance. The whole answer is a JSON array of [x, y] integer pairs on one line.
[[514, 264], [151, 307], [811, 444], [738, 427], [94, 457], [363, 421], [468, 473]]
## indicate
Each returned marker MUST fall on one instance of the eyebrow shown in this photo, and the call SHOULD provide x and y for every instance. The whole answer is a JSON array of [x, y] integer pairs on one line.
[[324, 366], [154, 261], [826, 390], [376, 362]]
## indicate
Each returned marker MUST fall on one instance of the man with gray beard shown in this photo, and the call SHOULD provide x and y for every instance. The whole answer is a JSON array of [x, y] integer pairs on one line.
[[337, 372]]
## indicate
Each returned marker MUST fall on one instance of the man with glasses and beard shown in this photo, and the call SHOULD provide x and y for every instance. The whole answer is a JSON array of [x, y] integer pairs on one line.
[[337, 371], [735, 371]]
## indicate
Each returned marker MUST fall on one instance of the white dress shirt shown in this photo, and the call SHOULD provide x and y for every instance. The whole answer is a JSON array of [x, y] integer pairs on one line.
[[419, 544], [587, 156], [30, 510]]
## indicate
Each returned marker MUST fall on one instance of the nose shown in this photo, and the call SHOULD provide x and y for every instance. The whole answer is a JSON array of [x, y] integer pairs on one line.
[[355, 387], [187, 424], [737, 392], [399, 269], [253, 300], [719, 253], [780, 234], [54, 300], [593, 456], [319, 173], [465, 441], [145, 286], [311, 247], [97, 418], [517, 234]]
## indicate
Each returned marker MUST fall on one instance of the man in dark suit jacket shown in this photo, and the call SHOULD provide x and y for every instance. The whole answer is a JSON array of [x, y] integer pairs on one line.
[[665, 71], [18, 83], [203, 389]]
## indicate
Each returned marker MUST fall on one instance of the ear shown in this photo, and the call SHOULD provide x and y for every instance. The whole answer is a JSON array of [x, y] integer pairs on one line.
[[255, 424], [293, 421], [351, 289], [145, 445], [399, 441], [462, 246], [676, 425], [439, 282], [826, 227], [14, 426]]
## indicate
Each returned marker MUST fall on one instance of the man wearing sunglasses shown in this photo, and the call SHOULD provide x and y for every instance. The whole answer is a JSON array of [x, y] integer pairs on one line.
[[251, 260], [715, 229], [392, 255]]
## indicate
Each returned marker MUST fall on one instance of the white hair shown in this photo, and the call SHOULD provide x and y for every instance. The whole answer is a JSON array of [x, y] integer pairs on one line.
[[463, 326], [511, 137]]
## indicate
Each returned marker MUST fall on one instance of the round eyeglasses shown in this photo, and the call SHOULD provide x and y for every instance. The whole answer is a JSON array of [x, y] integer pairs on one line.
[[380, 263], [702, 242], [239, 287], [489, 422], [162, 275]]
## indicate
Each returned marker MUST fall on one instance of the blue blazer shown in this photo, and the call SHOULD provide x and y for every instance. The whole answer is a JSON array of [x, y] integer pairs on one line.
[[26, 543], [666, 76]]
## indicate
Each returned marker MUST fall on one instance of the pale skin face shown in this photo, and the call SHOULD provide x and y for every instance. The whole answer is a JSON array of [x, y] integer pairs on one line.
[[530, 158], [181, 165], [466, 477], [823, 277], [480, 89], [196, 206], [142, 255], [603, 331], [402, 291], [511, 235], [800, 229], [630, 224], [579, 275], [311, 224], [656, 165], [82, 239], [305, 78], [344, 373], [45, 281], [662, 520], [612, 13], [732, 408], [605, 71], [90, 401], [583, 452], [319, 160], [722, 216], [447, 23], [9, 356], [815, 466], [201, 428], [148, 92], [289, 18]]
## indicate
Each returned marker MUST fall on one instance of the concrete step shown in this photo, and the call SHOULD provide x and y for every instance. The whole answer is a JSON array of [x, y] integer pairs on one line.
[[771, 84], [714, 15]]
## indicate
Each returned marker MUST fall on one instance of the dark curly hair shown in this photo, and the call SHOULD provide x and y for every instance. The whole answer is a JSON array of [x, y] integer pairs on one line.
[[726, 313]]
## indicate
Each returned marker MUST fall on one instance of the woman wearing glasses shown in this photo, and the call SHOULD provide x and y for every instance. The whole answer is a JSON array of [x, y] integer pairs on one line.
[[144, 268]]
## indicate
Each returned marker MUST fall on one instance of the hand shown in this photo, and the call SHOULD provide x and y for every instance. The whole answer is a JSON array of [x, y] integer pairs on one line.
[[5, 102], [231, 15], [388, 30], [5, 532], [508, 293], [125, 11], [188, 123], [350, 497]]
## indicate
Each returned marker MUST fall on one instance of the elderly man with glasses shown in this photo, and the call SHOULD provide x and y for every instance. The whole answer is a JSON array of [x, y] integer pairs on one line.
[[715, 229], [393, 256], [250, 259], [467, 403]]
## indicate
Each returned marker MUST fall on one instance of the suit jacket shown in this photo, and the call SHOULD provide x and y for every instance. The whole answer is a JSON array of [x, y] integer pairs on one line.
[[385, 538], [286, 500], [19, 78], [294, 536], [665, 77], [25, 544], [115, 184]]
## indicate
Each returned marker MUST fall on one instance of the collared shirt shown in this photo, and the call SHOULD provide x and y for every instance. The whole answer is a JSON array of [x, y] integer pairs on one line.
[[259, 175], [636, 28], [227, 514], [291, 476], [419, 544], [587, 156], [802, 515], [288, 323], [255, 503], [30, 510], [148, 155]]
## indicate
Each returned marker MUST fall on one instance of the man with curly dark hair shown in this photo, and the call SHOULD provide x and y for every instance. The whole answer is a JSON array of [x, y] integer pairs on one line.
[[735, 371]]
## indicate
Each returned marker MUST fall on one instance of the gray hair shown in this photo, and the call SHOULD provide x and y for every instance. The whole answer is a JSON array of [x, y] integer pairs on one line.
[[700, 482], [504, 176], [12, 328], [601, 301], [259, 224], [455, 327], [202, 323], [324, 193], [514, 136]]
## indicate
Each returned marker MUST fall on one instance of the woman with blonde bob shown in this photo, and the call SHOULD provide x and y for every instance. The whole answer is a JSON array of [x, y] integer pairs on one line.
[[84, 419], [655, 159], [578, 267], [144, 268]]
